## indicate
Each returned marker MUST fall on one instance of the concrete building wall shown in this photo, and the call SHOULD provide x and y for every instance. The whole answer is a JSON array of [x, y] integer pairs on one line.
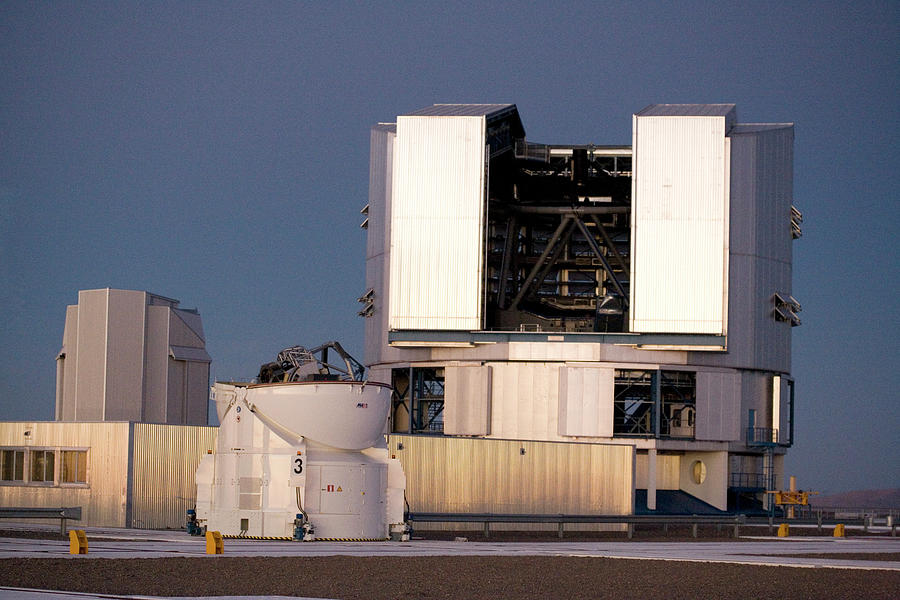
[[713, 488]]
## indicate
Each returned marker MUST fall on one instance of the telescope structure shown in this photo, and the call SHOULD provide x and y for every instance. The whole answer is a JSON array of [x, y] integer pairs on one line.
[[302, 458]]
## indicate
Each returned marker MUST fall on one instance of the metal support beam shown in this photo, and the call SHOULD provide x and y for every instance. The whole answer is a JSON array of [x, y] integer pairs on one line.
[[596, 248], [560, 246], [656, 397], [610, 244], [508, 249], [410, 394], [527, 284], [568, 210]]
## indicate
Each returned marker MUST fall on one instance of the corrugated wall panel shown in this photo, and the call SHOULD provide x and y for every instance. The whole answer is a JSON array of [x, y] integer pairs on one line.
[[103, 499], [437, 217], [446, 474], [467, 400], [586, 398], [679, 225], [667, 471], [165, 461]]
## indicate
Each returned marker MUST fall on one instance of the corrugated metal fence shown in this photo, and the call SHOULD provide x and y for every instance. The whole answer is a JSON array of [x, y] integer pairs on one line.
[[165, 461], [476, 475]]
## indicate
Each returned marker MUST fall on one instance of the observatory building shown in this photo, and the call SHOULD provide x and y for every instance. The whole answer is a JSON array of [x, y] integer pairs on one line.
[[583, 328], [130, 355]]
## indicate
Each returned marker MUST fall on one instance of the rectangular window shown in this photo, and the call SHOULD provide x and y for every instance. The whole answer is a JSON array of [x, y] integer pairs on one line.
[[12, 465], [74, 466], [427, 393], [42, 463], [633, 404]]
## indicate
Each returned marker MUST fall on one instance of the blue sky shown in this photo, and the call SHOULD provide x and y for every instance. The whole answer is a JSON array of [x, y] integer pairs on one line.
[[218, 153]]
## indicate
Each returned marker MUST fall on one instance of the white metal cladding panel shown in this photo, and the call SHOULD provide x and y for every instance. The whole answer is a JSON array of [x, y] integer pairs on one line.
[[381, 151], [125, 355], [524, 401], [446, 474], [467, 400], [102, 502], [679, 225], [165, 462], [437, 216], [760, 247], [70, 341], [157, 364], [378, 240], [781, 407], [718, 406], [586, 401], [90, 380], [774, 160]]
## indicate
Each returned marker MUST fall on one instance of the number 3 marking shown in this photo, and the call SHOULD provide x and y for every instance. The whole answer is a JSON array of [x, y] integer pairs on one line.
[[298, 465]]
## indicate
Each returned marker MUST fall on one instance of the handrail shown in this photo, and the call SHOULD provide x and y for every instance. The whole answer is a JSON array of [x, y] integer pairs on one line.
[[26, 512], [561, 519]]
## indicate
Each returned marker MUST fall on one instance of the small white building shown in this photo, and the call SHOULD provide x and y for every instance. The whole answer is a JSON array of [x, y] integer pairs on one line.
[[541, 308]]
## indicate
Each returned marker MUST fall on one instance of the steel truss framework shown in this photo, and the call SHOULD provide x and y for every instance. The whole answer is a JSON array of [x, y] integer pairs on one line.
[[417, 408], [558, 239], [654, 404]]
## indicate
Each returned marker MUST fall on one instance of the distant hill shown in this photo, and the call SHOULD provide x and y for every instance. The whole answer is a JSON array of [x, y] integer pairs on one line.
[[859, 499]]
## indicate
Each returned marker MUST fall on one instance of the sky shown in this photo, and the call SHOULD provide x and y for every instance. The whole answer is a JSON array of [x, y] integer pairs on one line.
[[217, 153]]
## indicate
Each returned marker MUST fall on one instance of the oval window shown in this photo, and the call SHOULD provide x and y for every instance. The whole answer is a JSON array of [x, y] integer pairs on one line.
[[698, 471]]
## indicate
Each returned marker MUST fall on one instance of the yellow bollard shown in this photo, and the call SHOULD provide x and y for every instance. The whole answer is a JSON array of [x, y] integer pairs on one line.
[[77, 542], [214, 544], [783, 530], [839, 530]]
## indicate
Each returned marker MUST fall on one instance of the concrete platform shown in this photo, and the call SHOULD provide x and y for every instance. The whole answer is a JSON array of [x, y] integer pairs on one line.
[[136, 543]]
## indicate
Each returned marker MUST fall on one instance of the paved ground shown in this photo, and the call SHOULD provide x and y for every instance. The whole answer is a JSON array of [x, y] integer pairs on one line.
[[125, 543], [172, 564]]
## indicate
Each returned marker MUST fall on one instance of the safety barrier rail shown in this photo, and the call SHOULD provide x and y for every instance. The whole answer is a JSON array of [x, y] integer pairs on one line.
[[62, 513], [630, 520], [830, 518], [762, 436]]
